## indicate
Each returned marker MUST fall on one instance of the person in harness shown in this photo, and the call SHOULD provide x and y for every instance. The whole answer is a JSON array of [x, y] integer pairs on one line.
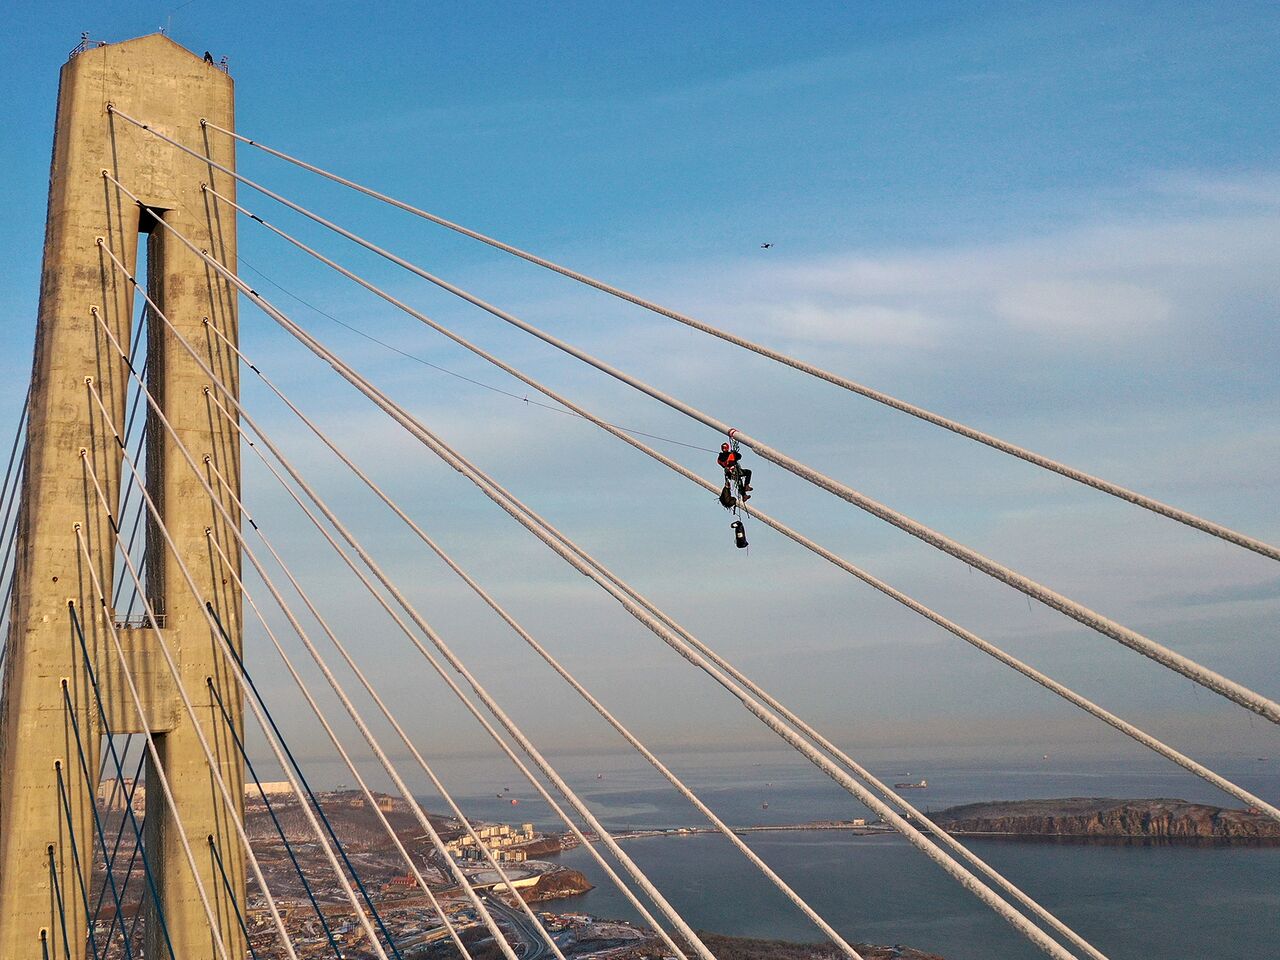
[[734, 473]]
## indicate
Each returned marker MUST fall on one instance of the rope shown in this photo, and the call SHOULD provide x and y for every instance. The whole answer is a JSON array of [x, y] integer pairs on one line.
[[306, 886], [119, 765], [500, 496], [97, 823], [969, 637], [216, 773], [483, 694], [1004, 446], [231, 894], [1189, 668], [477, 902]]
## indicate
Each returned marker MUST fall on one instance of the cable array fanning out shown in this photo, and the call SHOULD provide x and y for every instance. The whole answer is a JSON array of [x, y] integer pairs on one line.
[[220, 396]]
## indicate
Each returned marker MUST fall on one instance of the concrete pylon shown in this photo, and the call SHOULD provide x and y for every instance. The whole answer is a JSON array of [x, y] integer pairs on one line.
[[68, 442]]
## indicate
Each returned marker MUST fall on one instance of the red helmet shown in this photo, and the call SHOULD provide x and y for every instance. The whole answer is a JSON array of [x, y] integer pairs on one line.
[[724, 446]]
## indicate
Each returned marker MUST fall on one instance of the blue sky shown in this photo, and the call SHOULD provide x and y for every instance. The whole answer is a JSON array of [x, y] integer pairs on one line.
[[1059, 223]]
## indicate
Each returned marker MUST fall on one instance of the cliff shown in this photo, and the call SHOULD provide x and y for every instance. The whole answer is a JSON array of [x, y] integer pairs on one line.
[[1160, 818], [561, 882]]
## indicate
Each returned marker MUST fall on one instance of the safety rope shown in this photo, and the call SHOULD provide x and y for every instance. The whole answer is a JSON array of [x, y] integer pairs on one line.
[[117, 758], [498, 495], [1161, 654], [1004, 446], [523, 398], [231, 895]]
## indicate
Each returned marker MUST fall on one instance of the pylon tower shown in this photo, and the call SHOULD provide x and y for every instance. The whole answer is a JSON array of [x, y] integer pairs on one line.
[[49, 844]]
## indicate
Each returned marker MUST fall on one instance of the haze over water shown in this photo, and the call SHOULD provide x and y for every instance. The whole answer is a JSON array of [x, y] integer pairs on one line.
[[1133, 902]]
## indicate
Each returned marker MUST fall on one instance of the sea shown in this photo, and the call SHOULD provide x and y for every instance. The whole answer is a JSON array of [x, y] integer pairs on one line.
[[1132, 901]]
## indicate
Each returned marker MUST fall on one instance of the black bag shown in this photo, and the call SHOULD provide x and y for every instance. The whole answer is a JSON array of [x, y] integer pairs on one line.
[[739, 534]]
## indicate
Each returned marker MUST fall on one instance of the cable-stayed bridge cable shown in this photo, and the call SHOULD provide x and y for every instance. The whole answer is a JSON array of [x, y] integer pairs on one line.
[[359, 780], [477, 902], [458, 665], [1004, 446], [1212, 680], [966, 635], [502, 498], [191, 585]]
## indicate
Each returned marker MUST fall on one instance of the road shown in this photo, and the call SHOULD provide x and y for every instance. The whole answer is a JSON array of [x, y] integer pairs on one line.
[[535, 948]]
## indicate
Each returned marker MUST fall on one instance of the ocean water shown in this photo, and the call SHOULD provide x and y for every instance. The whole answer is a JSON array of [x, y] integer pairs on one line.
[[1133, 902]]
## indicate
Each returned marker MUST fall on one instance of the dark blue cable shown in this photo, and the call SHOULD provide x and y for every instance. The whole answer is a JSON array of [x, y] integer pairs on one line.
[[124, 821], [62, 909], [235, 904], [75, 857], [301, 776], [111, 745], [288, 847], [97, 823]]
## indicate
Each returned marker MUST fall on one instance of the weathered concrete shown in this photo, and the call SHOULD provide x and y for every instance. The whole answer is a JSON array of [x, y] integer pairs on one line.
[[162, 84]]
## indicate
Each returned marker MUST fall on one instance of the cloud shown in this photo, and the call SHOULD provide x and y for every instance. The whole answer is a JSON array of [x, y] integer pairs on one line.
[[1082, 307], [1208, 256], [1231, 593]]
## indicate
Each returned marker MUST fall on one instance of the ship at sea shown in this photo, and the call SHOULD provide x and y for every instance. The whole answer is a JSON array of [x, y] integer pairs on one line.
[[922, 785]]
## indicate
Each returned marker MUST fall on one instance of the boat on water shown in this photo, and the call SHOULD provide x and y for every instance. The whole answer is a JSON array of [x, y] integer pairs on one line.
[[922, 785]]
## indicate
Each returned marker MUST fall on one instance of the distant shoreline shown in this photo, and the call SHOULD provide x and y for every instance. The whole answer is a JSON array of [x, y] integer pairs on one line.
[[1100, 820], [1106, 819]]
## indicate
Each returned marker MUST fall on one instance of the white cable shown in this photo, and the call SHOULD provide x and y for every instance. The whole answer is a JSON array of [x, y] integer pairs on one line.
[[337, 743], [143, 722], [1004, 446], [489, 701], [498, 494], [159, 524], [968, 636], [1161, 654], [423, 820]]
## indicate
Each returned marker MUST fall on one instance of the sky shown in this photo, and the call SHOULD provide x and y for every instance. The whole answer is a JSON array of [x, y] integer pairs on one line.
[[1057, 223]]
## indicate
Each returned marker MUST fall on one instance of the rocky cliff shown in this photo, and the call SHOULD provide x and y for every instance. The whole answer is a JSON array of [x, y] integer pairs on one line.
[[1162, 819]]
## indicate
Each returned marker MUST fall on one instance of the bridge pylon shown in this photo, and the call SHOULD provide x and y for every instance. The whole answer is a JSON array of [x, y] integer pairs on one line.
[[62, 696]]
